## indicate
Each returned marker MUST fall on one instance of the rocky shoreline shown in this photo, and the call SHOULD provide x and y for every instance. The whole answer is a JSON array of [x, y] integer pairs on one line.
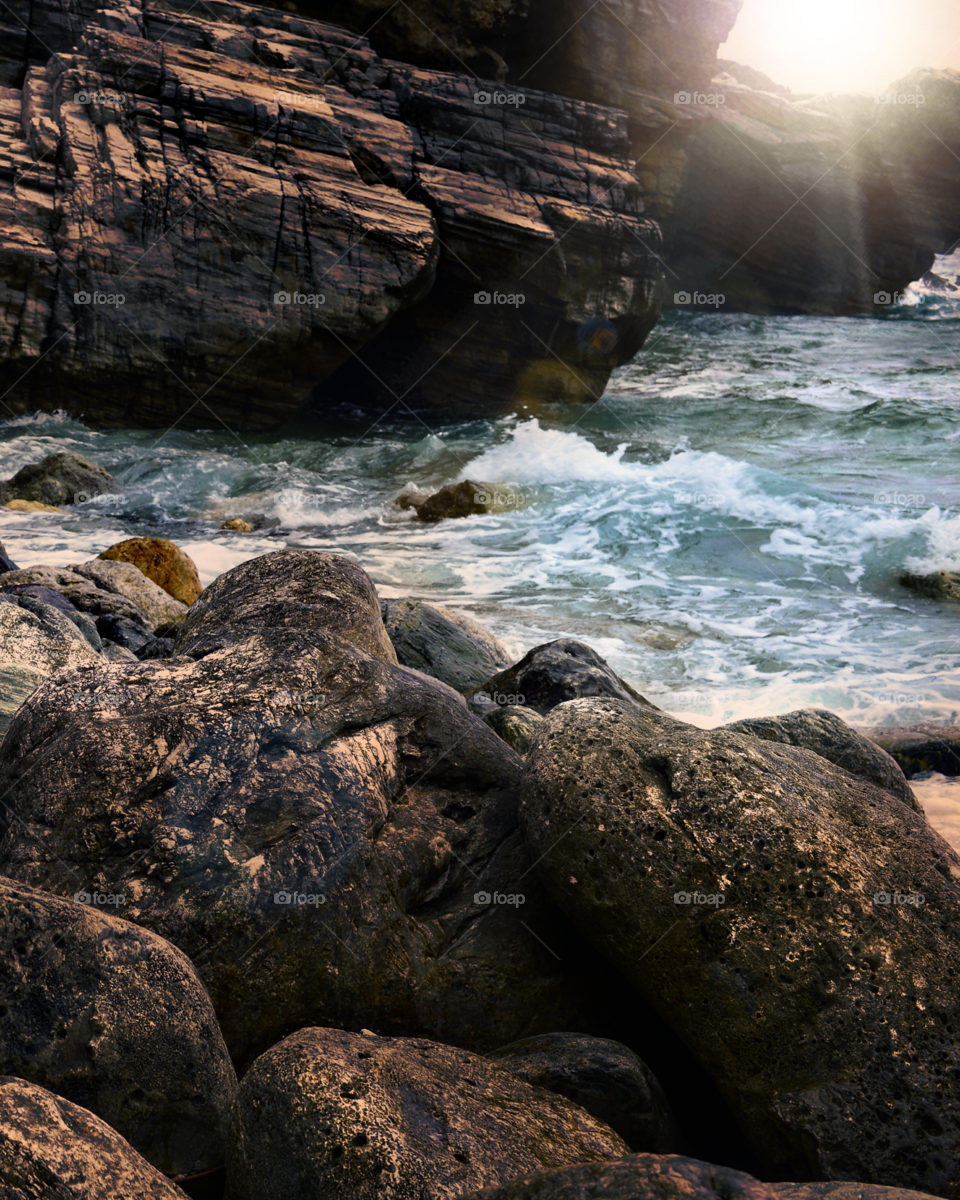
[[302, 837]]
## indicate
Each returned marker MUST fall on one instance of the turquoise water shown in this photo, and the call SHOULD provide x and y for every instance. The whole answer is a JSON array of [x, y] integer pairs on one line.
[[727, 526]]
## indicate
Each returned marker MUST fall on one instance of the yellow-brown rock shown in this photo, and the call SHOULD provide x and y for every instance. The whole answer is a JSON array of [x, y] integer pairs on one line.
[[31, 506], [162, 561], [237, 525]]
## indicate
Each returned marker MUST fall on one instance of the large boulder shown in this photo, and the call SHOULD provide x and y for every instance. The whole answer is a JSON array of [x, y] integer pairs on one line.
[[832, 738], [96, 594], [113, 1018], [602, 1076], [36, 639], [441, 643], [51, 1149], [59, 479], [552, 673], [327, 1114], [767, 903], [162, 561], [124, 579], [329, 836]]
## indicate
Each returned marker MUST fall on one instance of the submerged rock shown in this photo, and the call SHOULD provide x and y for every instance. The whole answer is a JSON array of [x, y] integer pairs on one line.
[[59, 479], [31, 506], [238, 525], [767, 903], [444, 644], [552, 673], [112, 1017], [162, 561], [54, 1150], [329, 836], [939, 585], [605, 1078], [826, 734], [327, 1114], [466, 499]]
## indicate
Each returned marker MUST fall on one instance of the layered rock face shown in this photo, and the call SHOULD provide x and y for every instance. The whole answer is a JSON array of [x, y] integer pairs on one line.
[[209, 211]]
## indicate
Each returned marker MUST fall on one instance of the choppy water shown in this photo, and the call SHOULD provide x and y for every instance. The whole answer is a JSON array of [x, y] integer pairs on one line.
[[727, 525]]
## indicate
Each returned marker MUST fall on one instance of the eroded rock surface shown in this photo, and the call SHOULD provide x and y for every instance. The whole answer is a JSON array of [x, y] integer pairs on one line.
[[327, 1114], [113, 1018], [797, 926]]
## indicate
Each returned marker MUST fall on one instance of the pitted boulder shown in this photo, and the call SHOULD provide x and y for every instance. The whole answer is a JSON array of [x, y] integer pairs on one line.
[[796, 925], [327, 1114], [115, 1019]]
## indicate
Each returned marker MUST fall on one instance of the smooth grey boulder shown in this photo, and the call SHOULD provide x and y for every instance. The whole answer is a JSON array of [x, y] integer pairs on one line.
[[640, 1177], [301, 590], [330, 837], [79, 590], [515, 724], [126, 579], [444, 644], [554, 672], [327, 1114], [602, 1076], [51, 1149], [59, 479], [826, 734], [796, 925], [115, 1019]]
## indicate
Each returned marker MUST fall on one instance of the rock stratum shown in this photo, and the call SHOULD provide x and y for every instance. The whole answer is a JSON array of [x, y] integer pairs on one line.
[[211, 214]]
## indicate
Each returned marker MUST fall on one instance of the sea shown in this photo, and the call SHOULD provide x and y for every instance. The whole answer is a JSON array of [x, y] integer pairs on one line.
[[727, 525]]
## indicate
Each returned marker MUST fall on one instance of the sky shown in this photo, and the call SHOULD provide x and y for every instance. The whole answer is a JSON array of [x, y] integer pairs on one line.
[[844, 45]]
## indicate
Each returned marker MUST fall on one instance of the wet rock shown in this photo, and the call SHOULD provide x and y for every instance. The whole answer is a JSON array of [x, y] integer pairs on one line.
[[6, 562], [124, 579], [121, 631], [939, 585], [444, 644], [328, 1113], [466, 499], [156, 648], [28, 596], [45, 595], [329, 836], [291, 589], [112, 1017], [605, 1078], [41, 638], [76, 589], [238, 525], [516, 724], [668, 1177], [554, 672], [162, 561], [765, 901], [826, 734], [920, 747], [54, 1150], [31, 506], [118, 654], [59, 479]]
